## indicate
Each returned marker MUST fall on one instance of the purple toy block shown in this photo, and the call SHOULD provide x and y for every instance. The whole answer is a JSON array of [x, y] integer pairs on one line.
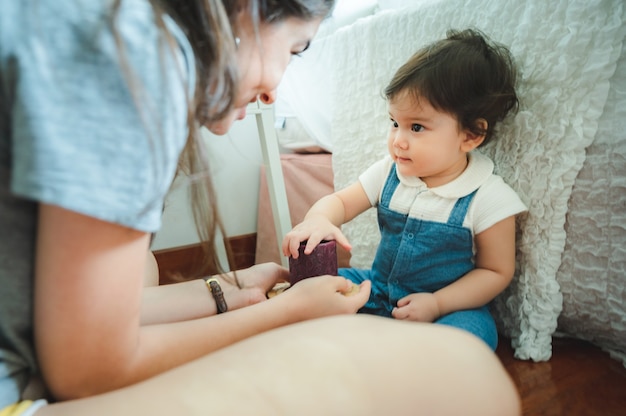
[[323, 260]]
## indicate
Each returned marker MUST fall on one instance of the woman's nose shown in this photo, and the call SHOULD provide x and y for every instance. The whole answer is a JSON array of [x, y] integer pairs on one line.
[[268, 97]]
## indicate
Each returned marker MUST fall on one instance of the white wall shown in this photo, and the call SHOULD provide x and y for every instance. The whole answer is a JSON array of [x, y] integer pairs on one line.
[[235, 161]]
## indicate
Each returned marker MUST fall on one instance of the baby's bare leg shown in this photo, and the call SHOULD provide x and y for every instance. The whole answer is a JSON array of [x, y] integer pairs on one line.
[[349, 365]]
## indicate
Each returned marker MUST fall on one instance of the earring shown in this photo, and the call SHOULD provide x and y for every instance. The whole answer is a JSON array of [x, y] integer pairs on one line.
[[237, 41]]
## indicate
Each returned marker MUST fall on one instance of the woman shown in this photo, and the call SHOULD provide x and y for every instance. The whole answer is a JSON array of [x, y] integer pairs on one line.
[[98, 102]]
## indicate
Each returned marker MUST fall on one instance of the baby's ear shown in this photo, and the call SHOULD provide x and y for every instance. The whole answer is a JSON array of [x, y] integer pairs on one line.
[[473, 140]]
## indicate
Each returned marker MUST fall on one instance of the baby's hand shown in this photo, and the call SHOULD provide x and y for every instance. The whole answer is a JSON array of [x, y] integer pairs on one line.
[[419, 307], [312, 230]]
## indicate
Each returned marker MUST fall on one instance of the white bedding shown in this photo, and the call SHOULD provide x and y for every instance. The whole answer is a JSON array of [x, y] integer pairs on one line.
[[303, 111], [593, 268], [567, 52]]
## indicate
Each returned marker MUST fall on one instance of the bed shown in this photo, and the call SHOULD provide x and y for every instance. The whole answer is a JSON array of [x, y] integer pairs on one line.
[[564, 152]]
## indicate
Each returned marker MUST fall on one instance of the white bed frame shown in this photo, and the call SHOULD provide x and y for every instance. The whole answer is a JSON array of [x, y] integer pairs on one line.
[[275, 181]]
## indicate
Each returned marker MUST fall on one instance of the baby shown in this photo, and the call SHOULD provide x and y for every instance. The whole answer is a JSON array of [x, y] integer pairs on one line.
[[447, 221]]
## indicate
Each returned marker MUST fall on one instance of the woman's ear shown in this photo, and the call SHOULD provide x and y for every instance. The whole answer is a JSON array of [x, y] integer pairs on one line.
[[473, 140]]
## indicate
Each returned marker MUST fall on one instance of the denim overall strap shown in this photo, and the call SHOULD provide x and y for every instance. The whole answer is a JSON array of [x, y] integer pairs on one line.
[[457, 216], [416, 255], [390, 186]]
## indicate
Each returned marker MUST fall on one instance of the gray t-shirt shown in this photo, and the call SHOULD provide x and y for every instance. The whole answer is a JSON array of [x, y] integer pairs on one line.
[[71, 135]]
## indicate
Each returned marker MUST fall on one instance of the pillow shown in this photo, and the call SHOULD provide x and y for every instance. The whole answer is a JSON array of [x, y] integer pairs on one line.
[[566, 52], [393, 4], [301, 109], [345, 13]]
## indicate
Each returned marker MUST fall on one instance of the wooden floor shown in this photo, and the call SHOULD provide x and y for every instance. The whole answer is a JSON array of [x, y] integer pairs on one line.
[[579, 379]]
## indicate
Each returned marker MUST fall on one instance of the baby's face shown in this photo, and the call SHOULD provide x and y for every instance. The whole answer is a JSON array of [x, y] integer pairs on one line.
[[425, 142]]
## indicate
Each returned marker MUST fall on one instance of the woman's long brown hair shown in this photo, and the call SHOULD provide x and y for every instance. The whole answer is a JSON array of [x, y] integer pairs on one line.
[[210, 26]]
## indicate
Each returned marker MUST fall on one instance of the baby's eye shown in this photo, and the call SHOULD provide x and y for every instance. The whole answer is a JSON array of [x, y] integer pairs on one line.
[[417, 128], [394, 123]]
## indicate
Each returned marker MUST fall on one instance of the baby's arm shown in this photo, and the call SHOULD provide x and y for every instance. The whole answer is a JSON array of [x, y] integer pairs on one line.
[[324, 218], [495, 266]]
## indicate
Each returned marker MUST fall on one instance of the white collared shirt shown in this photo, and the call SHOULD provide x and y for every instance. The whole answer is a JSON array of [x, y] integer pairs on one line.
[[494, 201]]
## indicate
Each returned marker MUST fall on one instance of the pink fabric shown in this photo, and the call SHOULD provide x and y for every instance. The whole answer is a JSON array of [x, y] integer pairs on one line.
[[308, 177]]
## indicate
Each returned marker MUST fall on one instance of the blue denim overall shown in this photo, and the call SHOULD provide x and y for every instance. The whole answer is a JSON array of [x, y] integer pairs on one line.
[[421, 256]]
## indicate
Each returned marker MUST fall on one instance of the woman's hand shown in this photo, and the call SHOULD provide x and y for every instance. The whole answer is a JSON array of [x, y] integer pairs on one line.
[[321, 296], [419, 307], [255, 282], [313, 229]]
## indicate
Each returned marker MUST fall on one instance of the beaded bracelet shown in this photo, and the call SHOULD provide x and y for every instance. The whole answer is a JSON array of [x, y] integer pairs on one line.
[[216, 290]]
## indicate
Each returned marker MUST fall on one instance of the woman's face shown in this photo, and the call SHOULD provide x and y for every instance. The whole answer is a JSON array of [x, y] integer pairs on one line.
[[262, 60]]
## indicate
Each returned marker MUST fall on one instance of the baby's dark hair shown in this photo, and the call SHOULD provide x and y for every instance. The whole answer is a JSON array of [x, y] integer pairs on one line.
[[465, 75]]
